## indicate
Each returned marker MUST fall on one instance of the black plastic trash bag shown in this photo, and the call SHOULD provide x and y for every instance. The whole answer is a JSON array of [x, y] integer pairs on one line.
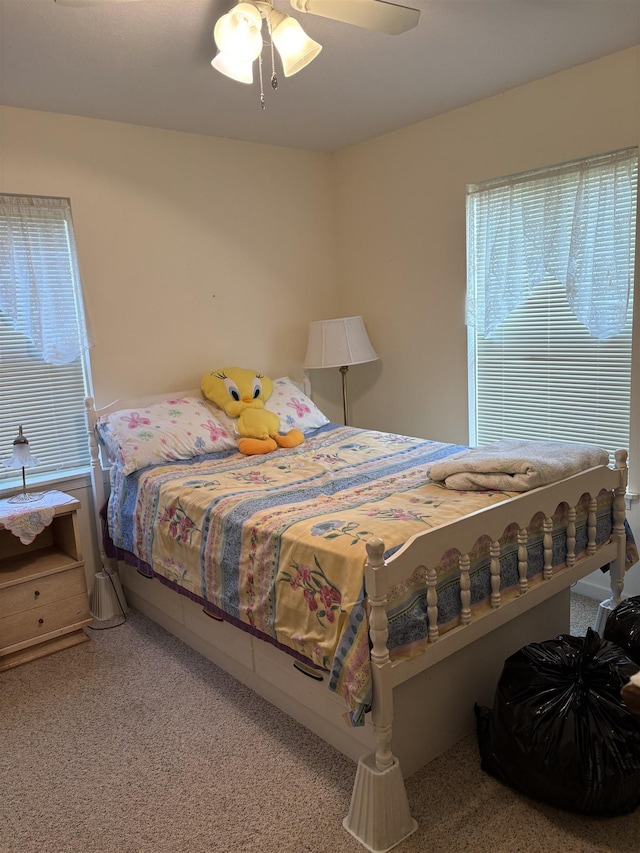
[[559, 731], [623, 627]]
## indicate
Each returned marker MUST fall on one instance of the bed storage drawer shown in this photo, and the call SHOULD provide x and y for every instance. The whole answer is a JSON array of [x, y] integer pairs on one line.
[[143, 592], [316, 707], [231, 641], [278, 667], [151, 590]]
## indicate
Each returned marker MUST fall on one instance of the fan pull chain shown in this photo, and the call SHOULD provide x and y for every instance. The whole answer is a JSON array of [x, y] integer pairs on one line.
[[274, 76], [262, 103]]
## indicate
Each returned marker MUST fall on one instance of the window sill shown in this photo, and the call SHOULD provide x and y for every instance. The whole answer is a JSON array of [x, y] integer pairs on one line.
[[64, 481]]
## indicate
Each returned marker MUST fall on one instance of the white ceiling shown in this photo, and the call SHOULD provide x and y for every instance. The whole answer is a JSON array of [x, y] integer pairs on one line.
[[148, 63]]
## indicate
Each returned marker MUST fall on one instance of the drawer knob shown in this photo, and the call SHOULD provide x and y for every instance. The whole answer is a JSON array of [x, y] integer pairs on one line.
[[36, 593], [40, 621]]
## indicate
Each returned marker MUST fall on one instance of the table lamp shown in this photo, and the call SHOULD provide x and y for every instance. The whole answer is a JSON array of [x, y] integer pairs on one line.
[[22, 458]]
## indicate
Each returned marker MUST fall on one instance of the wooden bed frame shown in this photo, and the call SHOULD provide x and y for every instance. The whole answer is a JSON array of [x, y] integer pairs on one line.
[[424, 705]]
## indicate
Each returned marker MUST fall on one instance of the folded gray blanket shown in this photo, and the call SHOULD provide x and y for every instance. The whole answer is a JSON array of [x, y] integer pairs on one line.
[[513, 465]]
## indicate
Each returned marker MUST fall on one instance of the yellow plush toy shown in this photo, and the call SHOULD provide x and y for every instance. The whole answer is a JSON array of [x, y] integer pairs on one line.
[[242, 393]]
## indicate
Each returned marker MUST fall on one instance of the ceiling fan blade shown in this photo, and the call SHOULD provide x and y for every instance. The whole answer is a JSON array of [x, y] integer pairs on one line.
[[91, 2], [369, 14]]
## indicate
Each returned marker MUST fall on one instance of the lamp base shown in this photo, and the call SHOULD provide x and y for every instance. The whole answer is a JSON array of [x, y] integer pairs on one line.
[[25, 497]]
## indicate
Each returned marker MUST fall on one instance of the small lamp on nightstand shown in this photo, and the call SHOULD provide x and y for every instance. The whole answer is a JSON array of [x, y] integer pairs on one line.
[[22, 458]]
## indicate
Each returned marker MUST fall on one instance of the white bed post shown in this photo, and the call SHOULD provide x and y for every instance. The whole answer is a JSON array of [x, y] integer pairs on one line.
[[107, 599], [379, 815], [617, 569]]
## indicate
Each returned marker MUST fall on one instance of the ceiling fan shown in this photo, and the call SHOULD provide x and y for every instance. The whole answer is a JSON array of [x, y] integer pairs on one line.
[[239, 39], [377, 15]]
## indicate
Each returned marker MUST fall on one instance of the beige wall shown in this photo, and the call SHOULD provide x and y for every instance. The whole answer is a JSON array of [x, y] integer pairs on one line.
[[401, 220], [195, 253]]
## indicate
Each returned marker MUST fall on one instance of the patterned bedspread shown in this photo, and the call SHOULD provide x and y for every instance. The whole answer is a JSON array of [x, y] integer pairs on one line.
[[277, 542]]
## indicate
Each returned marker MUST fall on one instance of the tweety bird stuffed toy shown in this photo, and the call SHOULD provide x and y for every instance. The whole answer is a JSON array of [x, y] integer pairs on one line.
[[242, 393]]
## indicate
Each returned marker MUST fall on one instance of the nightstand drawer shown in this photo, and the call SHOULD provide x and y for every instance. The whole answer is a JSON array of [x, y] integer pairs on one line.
[[56, 617], [42, 591]]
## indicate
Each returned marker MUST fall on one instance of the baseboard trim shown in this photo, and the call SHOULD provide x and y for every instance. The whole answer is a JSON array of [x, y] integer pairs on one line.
[[592, 589]]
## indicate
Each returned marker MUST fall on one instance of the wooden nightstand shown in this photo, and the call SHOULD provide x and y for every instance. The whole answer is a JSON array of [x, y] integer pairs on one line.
[[43, 590]]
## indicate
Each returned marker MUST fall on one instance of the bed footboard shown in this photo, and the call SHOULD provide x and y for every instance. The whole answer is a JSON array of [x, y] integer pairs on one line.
[[379, 776]]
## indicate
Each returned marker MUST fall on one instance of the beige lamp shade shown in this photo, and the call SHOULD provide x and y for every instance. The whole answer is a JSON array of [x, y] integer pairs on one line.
[[338, 343]]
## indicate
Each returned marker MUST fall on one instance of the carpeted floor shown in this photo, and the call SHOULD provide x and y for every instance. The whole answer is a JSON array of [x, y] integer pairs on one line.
[[134, 743]]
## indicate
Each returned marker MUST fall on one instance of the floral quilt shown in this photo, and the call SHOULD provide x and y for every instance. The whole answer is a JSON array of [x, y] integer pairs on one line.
[[277, 542]]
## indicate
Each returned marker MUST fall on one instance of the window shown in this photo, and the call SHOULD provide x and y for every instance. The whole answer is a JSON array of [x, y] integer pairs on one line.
[[550, 303], [43, 337]]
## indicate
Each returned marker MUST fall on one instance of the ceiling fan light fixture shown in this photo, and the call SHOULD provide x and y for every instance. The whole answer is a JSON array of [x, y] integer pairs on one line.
[[240, 70], [239, 33], [295, 47]]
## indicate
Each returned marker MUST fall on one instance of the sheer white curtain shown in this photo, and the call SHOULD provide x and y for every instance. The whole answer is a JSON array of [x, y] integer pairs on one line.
[[571, 222], [40, 288]]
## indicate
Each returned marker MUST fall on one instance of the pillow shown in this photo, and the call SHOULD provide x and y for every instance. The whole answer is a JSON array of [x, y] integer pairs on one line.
[[295, 409], [162, 432], [228, 423]]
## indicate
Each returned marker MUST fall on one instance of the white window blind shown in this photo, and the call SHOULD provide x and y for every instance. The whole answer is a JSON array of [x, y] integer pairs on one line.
[[540, 373], [40, 291]]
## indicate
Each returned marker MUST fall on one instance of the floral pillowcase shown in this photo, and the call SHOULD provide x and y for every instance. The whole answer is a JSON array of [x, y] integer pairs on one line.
[[295, 409], [162, 432]]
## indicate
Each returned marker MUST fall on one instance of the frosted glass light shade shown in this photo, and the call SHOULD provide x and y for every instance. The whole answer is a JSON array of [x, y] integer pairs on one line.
[[295, 47], [21, 457], [237, 69], [239, 33], [338, 343]]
